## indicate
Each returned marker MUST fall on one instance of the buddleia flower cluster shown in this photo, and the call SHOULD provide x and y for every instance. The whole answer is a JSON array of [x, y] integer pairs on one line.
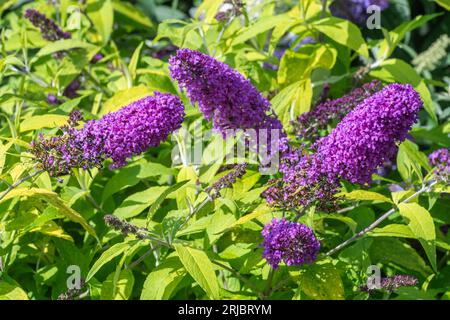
[[430, 59], [291, 242], [118, 135], [366, 138], [355, 10], [392, 283], [49, 29], [369, 134], [440, 159], [309, 125], [124, 227], [223, 94], [227, 180], [301, 184], [73, 293]]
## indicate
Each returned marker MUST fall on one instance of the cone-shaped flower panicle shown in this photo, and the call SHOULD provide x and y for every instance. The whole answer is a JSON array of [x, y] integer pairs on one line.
[[309, 124], [392, 283], [224, 95], [301, 184], [291, 242], [440, 159], [49, 29], [361, 142], [118, 135], [368, 135]]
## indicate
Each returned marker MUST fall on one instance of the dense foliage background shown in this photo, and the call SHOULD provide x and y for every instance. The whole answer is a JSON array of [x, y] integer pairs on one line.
[[183, 246]]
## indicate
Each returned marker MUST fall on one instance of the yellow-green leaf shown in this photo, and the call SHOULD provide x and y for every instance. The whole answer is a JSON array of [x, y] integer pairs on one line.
[[163, 280], [322, 282], [260, 210], [364, 195], [53, 199], [125, 97], [343, 32], [199, 266], [101, 14], [43, 121], [422, 226], [107, 256], [11, 292], [124, 286], [132, 12], [392, 230], [3, 150], [134, 61]]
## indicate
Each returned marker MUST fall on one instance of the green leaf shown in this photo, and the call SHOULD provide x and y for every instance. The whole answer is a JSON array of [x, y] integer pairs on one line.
[[260, 210], [138, 202], [352, 224], [444, 3], [364, 195], [387, 46], [421, 224], [107, 256], [65, 45], [199, 266], [220, 222], [260, 26], [196, 226], [414, 154], [396, 70], [285, 101], [161, 283], [3, 149], [180, 33], [53, 199], [134, 61], [391, 250], [132, 175], [44, 121], [124, 286], [155, 205], [125, 97], [296, 66], [11, 292], [133, 13], [208, 9], [392, 230], [435, 135], [101, 14], [410, 160], [343, 32], [321, 281], [187, 193]]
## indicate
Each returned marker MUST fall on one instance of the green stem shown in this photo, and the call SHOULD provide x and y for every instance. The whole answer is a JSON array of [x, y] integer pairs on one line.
[[15, 184], [379, 220]]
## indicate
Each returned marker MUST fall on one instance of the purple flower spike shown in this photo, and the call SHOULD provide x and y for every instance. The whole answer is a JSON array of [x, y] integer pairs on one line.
[[368, 135], [291, 242], [309, 124], [49, 29], [223, 94], [361, 142], [118, 135], [133, 129], [440, 159]]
